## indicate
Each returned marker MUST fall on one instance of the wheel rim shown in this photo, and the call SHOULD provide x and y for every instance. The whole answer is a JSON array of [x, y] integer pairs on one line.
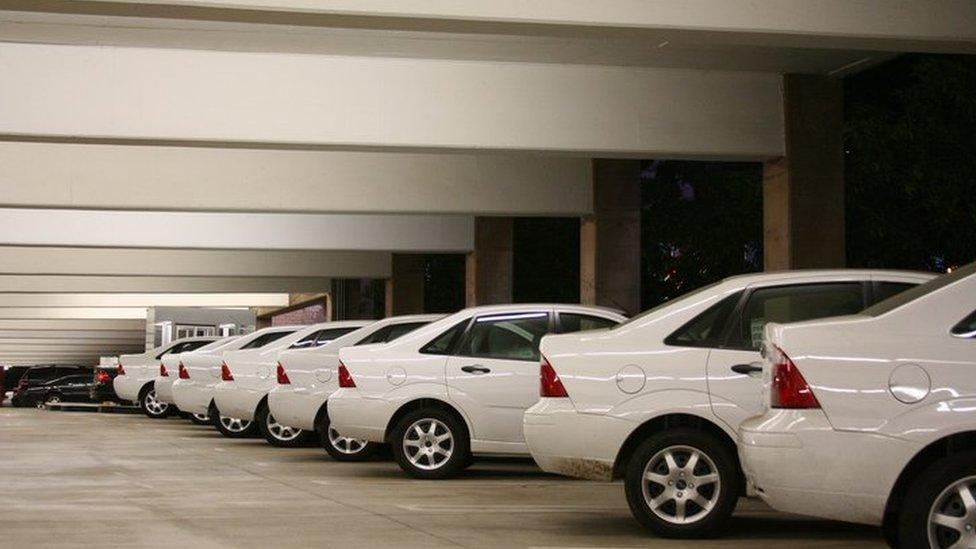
[[233, 424], [952, 518], [279, 431], [681, 484], [201, 417], [153, 404], [49, 400], [428, 444], [345, 445]]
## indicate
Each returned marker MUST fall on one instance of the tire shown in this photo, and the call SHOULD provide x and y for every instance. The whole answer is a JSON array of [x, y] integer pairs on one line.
[[443, 455], [678, 513], [945, 489], [152, 407], [232, 427], [342, 448], [52, 398], [277, 434], [199, 419]]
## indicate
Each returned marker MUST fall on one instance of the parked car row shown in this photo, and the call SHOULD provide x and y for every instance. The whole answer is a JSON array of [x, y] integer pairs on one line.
[[845, 394]]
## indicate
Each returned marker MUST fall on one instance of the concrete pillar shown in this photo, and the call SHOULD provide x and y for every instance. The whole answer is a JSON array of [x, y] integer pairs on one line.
[[488, 269], [803, 192], [610, 239], [405, 289]]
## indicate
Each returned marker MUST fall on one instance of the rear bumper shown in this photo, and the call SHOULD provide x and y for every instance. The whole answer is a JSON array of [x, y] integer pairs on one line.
[[127, 387], [103, 392], [564, 441], [191, 396], [296, 408], [235, 401], [799, 464], [164, 389], [357, 417]]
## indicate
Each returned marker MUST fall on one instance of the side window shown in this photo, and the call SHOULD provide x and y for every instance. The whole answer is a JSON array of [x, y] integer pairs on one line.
[[507, 337], [794, 304], [966, 327], [444, 343], [706, 329], [379, 336], [573, 322], [884, 290]]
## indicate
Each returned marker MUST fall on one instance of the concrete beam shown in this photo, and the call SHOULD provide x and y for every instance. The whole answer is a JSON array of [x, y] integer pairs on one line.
[[18, 260], [100, 176], [143, 300], [108, 325], [160, 284], [240, 231], [137, 313], [332, 101]]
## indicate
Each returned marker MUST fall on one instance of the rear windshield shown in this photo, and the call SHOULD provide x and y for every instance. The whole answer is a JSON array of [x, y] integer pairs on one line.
[[919, 291], [263, 340], [679, 299]]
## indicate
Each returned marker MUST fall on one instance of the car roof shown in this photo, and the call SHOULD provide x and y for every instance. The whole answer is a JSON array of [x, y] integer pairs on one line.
[[767, 276], [518, 307]]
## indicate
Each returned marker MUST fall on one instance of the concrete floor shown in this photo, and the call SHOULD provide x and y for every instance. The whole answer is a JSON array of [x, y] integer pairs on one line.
[[112, 480]]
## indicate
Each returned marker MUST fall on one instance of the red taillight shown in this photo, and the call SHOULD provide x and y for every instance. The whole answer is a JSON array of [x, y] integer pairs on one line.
[[282, 376], [789, 389], [549, 384], [345, 380], [162, 371], [120, 371], [183, 373], [225, 373], [101, 376]]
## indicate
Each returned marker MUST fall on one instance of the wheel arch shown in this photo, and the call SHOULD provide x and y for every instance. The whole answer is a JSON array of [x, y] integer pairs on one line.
[[667, 421], [418, 404], [146, 387]]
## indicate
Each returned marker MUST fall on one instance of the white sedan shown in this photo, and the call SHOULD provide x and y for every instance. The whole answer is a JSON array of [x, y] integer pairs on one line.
[[199, 374], [169, 371], [306, 379], [248, 375], [872, 418], [657, 400], [455, 388], [136, 374]]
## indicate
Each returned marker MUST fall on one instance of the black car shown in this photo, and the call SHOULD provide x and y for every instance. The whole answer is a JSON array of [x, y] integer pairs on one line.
[[102, 387], [39, 375], [73, 388]]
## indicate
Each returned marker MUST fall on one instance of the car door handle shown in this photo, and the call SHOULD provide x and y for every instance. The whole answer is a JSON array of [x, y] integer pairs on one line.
[[746, 369], [476, 369]]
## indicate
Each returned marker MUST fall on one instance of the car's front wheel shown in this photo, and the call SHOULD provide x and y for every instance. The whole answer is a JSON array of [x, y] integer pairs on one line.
[[940, 507], [342, 448], [431, 444], [152, 406], [682, 483], [232, 427], [277, 434], [53, 399]]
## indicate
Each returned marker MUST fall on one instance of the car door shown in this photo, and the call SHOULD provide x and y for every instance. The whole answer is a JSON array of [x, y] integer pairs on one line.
[[75, 388], [493, 375], [735, 370]]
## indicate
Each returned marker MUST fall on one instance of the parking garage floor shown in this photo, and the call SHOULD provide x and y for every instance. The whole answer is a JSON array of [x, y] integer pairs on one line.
[[114, 480]]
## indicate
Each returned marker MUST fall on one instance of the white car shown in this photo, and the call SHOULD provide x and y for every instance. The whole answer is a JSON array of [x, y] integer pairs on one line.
[[169, 372], [248, 375], [306, 379], [657, 400], [193, 391], [872, 418], [136, 374], [454, 388]]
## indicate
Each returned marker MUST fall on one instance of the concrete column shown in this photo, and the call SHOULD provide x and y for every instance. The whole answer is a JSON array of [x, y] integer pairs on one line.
[[803, 192], [405, 289], [610, 239], [488, 269]]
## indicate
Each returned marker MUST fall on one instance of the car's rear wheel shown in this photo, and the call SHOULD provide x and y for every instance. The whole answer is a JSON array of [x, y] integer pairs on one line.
[[200, 419], [939, 510], [49, 400], [232, 427], [277, 434], [682, 483], [430, 443], [342, 448], [152, 406]]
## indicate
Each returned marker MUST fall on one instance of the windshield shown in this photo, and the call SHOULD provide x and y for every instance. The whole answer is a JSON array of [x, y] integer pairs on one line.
[[679, 299], [919, 291]]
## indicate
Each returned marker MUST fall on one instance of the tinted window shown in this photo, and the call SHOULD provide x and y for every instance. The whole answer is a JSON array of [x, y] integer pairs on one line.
[[264, 339], [966, 327], [379, 336], [184, 347], [510, 337], [305, 342], [398, 330], [444, 343], [794, 304], [329, 334], [572, 322], [884, 290], [921, 290], [705, 330]]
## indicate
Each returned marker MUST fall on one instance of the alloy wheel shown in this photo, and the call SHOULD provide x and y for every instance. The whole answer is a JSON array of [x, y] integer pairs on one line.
[[345, 445], [234, 424], [281, 432], [681, 484], [203, 418], [153, 405], [428, 444], [49, 401], [952, 518]]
